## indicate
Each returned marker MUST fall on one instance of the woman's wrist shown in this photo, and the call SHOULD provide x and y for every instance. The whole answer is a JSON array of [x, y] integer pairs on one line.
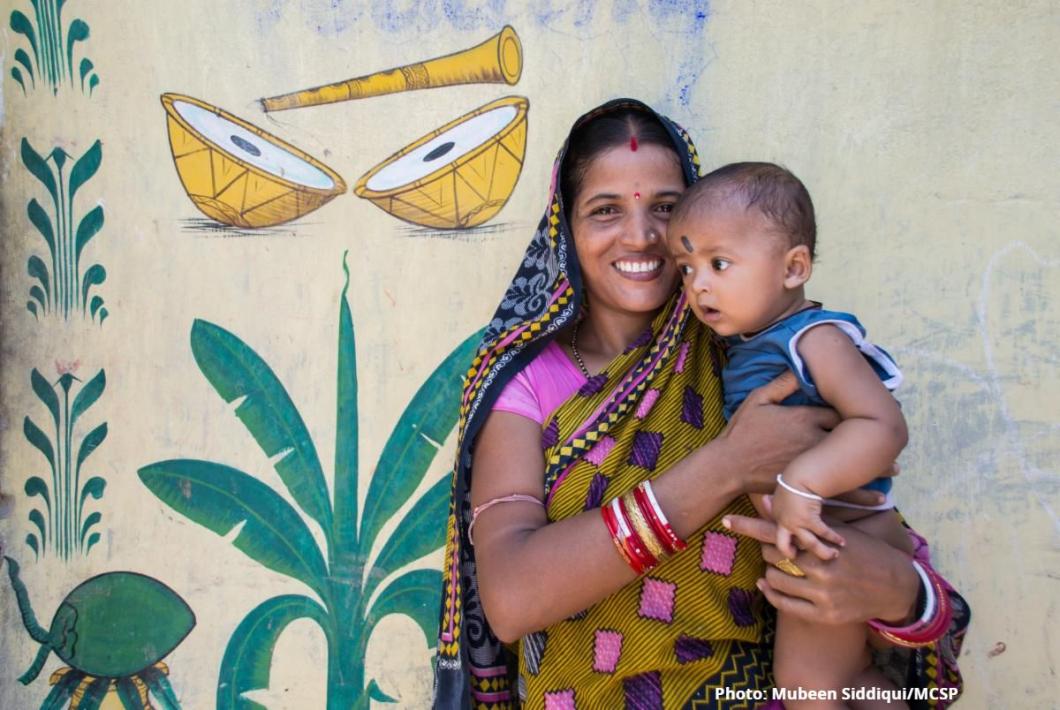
[[900, 607]]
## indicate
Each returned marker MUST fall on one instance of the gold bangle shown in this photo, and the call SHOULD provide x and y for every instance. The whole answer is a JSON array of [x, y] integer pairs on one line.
[[643, 528]]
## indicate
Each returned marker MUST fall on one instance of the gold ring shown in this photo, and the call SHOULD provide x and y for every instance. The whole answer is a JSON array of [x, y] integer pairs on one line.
[[788, 567]]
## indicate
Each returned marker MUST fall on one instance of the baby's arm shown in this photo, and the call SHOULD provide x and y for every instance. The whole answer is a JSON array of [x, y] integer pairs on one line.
[[867, 441]]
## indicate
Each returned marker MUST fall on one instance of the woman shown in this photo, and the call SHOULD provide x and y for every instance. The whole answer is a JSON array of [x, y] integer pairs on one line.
[[591, 380]]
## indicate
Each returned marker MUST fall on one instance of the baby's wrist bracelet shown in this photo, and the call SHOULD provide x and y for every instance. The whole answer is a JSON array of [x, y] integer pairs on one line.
[[791, 489]]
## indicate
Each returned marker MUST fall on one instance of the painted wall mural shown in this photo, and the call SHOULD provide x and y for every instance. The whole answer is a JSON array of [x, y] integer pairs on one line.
[[274, 534], [113, 630], [52, 43], [62, 527], [458, 176], [63, 289]]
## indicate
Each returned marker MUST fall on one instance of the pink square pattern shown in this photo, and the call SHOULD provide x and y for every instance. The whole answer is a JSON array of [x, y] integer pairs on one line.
[[599, 452], [647, 402], [719, 553], [560, 700], [682, 356], [657, 600], [607, 648]]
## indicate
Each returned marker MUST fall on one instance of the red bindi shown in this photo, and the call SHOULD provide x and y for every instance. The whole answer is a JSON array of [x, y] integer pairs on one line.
[[636, 195], [633, 143]]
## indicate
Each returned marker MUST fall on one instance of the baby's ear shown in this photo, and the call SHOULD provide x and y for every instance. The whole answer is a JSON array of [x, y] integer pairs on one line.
[[798, 266]]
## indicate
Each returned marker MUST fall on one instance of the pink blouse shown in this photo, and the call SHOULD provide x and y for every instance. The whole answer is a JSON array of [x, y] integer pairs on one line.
[[545, 383]]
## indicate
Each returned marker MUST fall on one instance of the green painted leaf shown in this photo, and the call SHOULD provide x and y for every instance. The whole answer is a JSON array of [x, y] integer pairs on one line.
[[77, 32], [96, 303], [128, 694], [32, 308], [427, 420], [94, 694], [88, 396], [31, 540], [36, 486], [39, 439], [22, 58], [89, 227], [37, 519], [40, 169], [84, 69], [376, 693], [219, 498], [160, 689], [36, 268], [268, 413], [46, 393], [43, 223], [92, 84], [93, 487], [420, 532], [36, 293], [21, 24], [95, 275], [414, 594], [90, 443], [89, 522], [85, 167], [17, 76], [346, 428], [248, 657], [103, 313], [92, 540]]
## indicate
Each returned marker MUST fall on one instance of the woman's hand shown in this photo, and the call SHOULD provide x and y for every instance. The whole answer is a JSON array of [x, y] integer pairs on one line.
[[869, 580], [764, 437]]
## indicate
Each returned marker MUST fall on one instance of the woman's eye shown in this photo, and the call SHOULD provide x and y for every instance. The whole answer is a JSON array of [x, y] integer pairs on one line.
[[666, 208], [720, 264], [685, 270], [605, 211]]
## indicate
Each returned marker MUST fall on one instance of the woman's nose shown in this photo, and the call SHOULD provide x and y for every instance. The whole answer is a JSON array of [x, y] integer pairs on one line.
[[643, 229]]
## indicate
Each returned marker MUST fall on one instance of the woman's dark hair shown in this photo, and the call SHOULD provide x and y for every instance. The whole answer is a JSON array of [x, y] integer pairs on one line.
[[600, 134]]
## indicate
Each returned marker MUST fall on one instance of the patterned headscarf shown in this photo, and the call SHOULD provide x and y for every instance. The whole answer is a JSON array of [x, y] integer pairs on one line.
[[545, 296]]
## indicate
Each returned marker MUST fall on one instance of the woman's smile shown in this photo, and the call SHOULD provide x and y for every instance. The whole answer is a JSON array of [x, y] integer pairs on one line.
[[640, 269]]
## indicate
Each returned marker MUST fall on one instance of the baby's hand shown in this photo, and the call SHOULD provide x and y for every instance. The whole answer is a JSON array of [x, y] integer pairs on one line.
[[800, 517]]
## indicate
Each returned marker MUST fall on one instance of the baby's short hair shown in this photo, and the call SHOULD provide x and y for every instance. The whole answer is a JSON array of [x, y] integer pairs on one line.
[[771, 189]]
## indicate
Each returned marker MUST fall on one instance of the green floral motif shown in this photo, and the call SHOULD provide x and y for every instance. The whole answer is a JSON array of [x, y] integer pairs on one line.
[[52, 44], [63, 528], [276, 535], [64, 288]]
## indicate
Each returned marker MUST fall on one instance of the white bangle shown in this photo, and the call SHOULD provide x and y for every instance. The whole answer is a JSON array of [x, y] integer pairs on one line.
[[796, 491], [929, 594]]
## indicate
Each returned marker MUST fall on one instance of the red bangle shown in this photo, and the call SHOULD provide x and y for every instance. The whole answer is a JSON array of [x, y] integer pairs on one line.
[[645, 498], [616, 536], [634, 543], [921, 633]]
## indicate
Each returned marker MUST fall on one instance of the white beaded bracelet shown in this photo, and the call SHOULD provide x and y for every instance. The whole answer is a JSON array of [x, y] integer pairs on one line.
[[796, 491]]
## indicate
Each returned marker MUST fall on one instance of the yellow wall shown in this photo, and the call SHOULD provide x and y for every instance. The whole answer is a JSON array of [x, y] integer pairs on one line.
[[925, 132]]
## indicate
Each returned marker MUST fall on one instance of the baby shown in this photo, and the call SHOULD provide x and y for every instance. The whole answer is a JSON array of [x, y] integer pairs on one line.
[[743, 239]]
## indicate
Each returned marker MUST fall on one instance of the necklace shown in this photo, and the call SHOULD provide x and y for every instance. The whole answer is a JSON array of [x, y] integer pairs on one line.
[[574, 349]]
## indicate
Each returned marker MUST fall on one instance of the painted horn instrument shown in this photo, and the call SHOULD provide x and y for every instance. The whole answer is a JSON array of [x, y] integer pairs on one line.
[[497, 60]]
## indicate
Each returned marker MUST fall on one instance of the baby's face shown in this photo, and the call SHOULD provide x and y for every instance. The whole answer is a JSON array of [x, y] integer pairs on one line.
[[733, 265]]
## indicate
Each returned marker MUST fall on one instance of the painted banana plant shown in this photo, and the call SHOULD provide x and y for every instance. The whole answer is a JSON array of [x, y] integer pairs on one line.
[[63, 528], [63, 289], [52, 44], [276, 535]]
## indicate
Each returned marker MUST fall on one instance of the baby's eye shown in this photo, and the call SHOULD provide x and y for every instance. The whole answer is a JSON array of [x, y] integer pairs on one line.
[[720, 264], [685, 270]]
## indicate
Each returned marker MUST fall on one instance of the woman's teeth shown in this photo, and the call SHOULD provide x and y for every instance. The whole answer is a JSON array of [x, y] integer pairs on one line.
[[638, 267]]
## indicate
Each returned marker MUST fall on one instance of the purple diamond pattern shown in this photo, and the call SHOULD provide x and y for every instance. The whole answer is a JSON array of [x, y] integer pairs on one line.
[[689, 648], [643, 339], [534, 650], [596, 492], [646, 448], [692, 408], [550, 436], [740, 606], [643, 692], [593, 385]]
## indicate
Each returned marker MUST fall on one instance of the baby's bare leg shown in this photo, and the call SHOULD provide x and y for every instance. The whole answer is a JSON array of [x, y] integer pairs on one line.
[[885, 526], [818, 657]]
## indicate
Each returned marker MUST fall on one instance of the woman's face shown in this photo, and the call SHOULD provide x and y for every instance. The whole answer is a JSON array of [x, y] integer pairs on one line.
[[619, 222]]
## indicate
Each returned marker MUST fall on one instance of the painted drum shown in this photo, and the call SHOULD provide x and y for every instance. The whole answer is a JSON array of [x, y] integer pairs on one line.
[[240, 175], [455, 177]]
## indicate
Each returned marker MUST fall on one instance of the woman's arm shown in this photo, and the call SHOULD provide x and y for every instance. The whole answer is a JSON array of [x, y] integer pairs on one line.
[[523, 561]]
